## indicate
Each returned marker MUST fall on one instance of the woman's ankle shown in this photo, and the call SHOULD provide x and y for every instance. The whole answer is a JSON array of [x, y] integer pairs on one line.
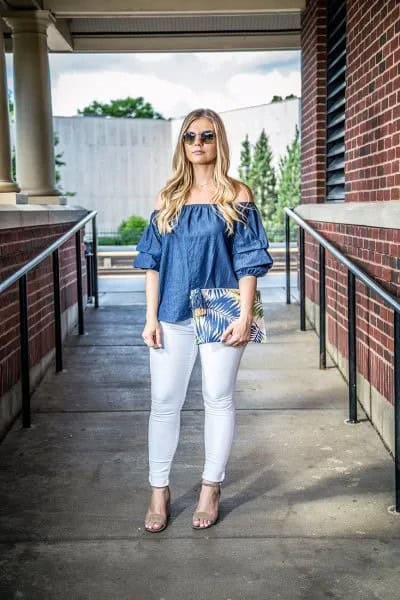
[[210, 482]]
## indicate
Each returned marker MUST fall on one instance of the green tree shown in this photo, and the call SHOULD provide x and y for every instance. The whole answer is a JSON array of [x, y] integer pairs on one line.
[[262, 178], [288, 187], [280, 99], [245, 161], [133, 108]]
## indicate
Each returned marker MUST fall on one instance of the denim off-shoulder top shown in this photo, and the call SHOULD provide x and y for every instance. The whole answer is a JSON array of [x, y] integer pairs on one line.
[[198, 253]]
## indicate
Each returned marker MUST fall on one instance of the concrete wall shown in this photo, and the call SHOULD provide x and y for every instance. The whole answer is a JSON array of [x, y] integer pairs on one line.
[[116, 166]]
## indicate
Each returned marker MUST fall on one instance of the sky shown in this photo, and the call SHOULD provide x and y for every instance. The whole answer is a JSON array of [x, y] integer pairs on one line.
[[173, 83]]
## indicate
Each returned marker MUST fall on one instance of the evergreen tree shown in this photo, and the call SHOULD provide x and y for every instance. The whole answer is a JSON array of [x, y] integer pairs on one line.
[[263, 179], [245, 161], [288, 192]]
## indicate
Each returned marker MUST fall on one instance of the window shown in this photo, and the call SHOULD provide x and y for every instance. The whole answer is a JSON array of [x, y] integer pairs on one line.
[[336, 85]]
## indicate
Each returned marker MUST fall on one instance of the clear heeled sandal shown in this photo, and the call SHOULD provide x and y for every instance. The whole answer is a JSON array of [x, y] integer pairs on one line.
[[159, 518], [197, 515]]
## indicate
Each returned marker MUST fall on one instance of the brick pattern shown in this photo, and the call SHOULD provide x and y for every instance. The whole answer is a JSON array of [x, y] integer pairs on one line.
[[377, 251], [313, 103], [372, 157], [372, 136], [17, 247]]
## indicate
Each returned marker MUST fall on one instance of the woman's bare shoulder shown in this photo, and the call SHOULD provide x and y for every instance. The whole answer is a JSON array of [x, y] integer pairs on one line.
[[244, 192]]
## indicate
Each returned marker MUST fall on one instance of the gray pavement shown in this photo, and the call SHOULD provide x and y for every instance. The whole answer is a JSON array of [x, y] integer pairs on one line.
[[304, 507]]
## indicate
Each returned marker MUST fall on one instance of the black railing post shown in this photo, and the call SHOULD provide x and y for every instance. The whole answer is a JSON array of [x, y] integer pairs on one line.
[[94, 251], [302, 281], [89, 273], [322, 309], [397, 405], [57, 310], [352, 344], [287, 256], [24, 345], [81, 328]]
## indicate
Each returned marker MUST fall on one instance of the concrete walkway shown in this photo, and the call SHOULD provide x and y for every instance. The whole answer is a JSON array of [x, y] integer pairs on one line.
[[304, 507]]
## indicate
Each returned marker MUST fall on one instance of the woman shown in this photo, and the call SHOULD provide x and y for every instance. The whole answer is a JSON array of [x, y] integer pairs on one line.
[[205, 231]]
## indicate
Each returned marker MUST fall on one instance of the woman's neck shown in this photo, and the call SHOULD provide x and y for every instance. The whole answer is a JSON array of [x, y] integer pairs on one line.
[[202, 174]]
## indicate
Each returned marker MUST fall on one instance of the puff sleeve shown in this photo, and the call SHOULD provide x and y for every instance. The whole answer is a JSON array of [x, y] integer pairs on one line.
[[250, 245], [149, 247]]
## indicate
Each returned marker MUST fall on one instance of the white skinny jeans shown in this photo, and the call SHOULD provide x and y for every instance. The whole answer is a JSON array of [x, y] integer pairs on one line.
[[170, 369]]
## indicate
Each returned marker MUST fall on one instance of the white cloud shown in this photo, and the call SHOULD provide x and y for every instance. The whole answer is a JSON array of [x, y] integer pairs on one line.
[[174, 83], [250, 89], [153, 57], [76, 90], [247, 58]]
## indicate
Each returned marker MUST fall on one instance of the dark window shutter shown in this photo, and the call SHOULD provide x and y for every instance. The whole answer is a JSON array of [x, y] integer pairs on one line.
[[336, 85]]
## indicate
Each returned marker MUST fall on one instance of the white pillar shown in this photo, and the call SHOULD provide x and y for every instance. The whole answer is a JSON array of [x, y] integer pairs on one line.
[[7, 186], [33, 110]]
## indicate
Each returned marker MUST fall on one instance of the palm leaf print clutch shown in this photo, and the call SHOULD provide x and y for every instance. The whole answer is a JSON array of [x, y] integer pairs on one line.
[[215, 308]]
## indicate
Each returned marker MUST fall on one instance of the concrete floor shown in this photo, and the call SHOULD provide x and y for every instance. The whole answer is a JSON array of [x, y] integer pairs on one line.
[[304, 507]]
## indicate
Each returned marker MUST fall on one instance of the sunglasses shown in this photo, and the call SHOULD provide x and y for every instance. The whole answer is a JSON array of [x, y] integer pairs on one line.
[[208, 137]]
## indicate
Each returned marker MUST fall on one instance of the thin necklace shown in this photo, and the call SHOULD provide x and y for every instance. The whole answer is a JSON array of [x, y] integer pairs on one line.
[[203, 184]]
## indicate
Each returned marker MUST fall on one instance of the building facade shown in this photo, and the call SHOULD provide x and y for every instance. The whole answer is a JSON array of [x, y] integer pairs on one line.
[[351, 180]]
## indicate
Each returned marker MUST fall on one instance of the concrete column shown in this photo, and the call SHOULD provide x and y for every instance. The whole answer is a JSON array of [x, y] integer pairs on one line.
[[7, 185], [33, 111]]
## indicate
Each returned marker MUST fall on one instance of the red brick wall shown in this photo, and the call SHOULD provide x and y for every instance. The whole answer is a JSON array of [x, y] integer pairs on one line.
[[372, 173], [313, 103], [17, 247], [372, 136], [377, 251]]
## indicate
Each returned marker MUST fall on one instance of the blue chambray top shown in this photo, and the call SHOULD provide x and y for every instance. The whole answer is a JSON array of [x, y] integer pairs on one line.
[[199, 253]]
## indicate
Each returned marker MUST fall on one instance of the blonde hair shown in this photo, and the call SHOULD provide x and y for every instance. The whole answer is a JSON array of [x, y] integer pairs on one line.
[[173, 194]]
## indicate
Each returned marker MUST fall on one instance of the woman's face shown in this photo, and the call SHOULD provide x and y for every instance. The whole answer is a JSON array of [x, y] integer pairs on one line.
[[200, 152]]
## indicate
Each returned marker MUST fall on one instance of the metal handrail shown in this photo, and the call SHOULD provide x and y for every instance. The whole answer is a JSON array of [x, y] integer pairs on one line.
[[353, 272], [21, 277]]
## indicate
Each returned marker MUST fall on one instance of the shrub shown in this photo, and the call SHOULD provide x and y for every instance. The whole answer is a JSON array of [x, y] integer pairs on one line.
[[131, 229]]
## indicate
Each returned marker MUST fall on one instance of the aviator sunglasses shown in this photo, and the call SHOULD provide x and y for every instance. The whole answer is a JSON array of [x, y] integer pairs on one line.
[[208, 137]]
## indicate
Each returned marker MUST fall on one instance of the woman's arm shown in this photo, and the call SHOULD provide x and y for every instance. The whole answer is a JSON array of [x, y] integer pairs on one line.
[[247, 287], [152, 330], [248, 283], [239, 331]]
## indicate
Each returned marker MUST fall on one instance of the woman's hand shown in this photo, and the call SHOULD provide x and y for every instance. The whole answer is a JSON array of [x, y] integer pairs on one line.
[[238, 332], [151, 333]]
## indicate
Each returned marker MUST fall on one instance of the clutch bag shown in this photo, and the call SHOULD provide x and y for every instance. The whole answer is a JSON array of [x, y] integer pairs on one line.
[[214, 309]]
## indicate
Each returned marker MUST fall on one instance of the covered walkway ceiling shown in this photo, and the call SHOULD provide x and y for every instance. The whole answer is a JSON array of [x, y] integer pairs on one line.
[[173, 26]]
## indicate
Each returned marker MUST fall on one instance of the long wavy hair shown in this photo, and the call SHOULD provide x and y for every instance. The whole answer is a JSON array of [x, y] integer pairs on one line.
[[174, 193]]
